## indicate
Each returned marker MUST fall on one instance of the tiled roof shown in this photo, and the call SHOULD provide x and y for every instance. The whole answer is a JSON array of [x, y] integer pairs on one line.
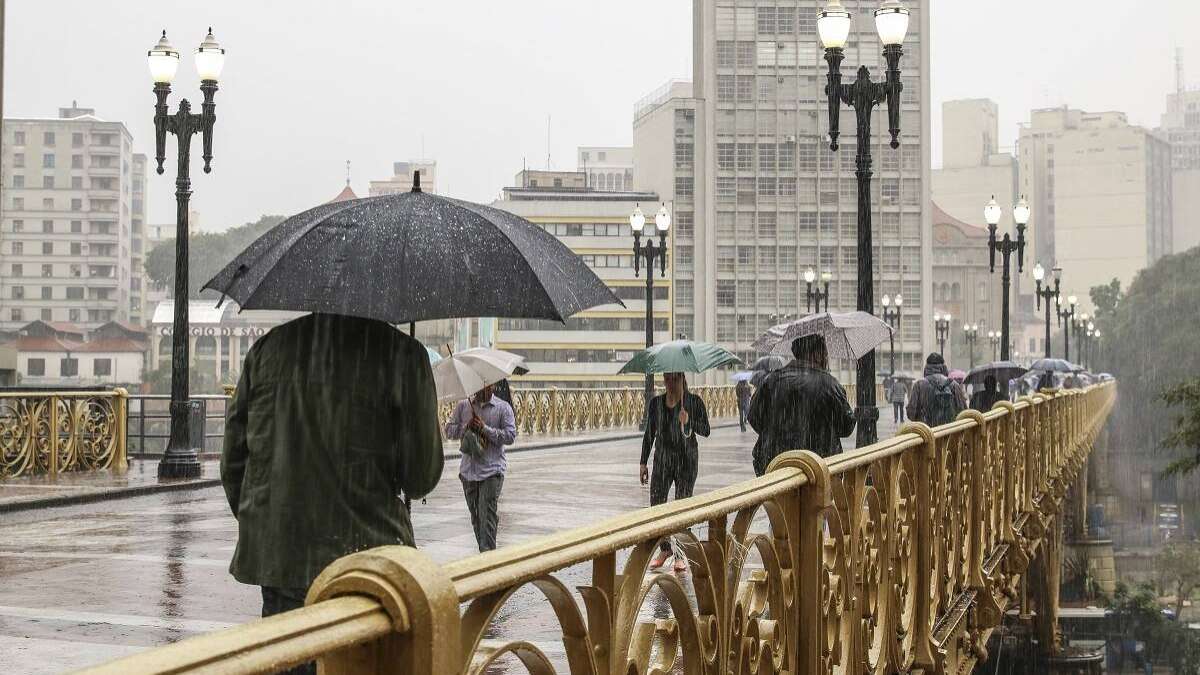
[[345, 195]]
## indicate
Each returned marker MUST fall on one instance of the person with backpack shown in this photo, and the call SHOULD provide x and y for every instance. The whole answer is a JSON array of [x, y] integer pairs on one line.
[[936, 399]]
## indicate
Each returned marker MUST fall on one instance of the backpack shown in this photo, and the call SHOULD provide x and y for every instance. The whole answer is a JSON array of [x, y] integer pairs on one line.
[[943, 405]]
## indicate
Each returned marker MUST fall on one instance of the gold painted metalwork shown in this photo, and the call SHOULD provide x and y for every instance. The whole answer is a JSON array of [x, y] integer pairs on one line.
[[898, 557], [53, 432]]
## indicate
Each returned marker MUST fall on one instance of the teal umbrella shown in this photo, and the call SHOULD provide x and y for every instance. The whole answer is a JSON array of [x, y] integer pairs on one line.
[[680, 356]]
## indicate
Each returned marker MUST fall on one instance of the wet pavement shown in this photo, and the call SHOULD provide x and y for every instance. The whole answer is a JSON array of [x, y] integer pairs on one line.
[[83, 584]]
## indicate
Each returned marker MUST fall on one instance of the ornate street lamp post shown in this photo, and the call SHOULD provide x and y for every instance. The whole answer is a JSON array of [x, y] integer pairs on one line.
[[182, 456], [1006, 247], [892, 317], [1065, 318], [833, 25], [1047, 294], [649, 251], [971, 331], [942, 325], [1078, 326], [994, 338], [816, 295]]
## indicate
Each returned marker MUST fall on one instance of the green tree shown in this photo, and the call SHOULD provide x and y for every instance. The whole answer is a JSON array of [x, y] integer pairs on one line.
[[159, 380], [1106, 298], [208, 253], [1185, 435], [1178, 566]]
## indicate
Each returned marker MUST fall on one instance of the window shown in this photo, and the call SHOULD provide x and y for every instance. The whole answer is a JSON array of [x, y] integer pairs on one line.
[[746, 191], [683, 257], [745, 256], [48, 138], [683, 186], [102, 367], [48, 204], [787, 186], [726, 330], [48, 182], [726, 260], [725, 156], [745, 156], [18, 203], [787, 295], [766, 292], [787, 259], [47, 227], [18, 270], [76, 161], [911, 191], [767, 222], [766, 157], [18, 138], [18, 181], [766, 257], [725, 55], [745, 55], [766, 20], [18, 292], [746, 291], [47, 315], [910, 156], [745, 89], [47, 293], [684, 225], [766, 90], [767, 187], [35, 367], [684, 155], [47, 271], [47, 248], [74, 292], [77, 140], [18, 226], [76, 271], [807, 156], [73, 315], [18, 248], [889, 190], [683, 292], [76, 182], [76, 227], [47, 161], [726, 293], [725, 88], [807, 223], [76, 204], [725, 188], [69, 367], [787, 157], [76, 248]]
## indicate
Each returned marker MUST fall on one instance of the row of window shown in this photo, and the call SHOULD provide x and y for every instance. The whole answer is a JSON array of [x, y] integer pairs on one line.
[[788, 91], [17, 314], [69, 367], [69, 293], [807, 155], [583, 323], [812, 224], [101, 205], [586, 229], [74, 271], [639, 292], [50, 161], [947, 292], [574, 355], [746, 327], [50, 138], [17, 225], [74, 248], [49, 183], [747, 189], [607, 260]]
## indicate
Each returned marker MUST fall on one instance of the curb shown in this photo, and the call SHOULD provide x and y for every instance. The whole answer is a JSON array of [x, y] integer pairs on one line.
[[143, 490]]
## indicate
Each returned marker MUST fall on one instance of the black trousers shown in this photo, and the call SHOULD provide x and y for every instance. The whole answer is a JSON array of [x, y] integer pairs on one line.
[[673, 467], [898, 412], [483, 501], [279, 600]]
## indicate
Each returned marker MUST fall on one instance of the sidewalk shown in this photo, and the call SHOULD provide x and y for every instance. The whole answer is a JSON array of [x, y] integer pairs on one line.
[[39, 492]]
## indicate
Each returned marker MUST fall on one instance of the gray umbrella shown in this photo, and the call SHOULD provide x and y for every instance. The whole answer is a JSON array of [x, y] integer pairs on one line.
[[765, 365], [412, 256], [1053, 366], [1003, 371]]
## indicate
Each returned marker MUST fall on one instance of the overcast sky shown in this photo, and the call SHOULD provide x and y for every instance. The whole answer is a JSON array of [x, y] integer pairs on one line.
[[309, 84]]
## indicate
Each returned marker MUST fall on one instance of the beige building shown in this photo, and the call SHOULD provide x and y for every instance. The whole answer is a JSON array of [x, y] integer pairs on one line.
[[402, 178], [607, 167], [963, 287], [1181, 125], [1100, 193], [759, 197], [138, 246], [72, 188], [973, 168], [589, 349]]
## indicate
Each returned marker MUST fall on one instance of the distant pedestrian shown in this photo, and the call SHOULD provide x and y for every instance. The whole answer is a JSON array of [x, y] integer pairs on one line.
[[985, 398], [897, 394], [1045, 381], [332, 418], [936, 399], [490, 420], [673, 421], [800, 406], [743, 399]]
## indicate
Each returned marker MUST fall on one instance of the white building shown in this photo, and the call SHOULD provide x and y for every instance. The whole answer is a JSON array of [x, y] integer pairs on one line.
[[219, 337], [759, 197], [607, 168], [402, 178], [589, 349], [66, 220], [1181, 126], [57, 354]]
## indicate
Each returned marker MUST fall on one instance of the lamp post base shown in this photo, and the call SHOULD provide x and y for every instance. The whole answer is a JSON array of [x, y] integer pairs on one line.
[[867, 429], [182, 457]]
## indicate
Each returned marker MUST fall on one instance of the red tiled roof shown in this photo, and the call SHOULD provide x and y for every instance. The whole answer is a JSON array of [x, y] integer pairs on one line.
[[111, 345], [30, 343], [64, 327], [345, 195], [940, 217]]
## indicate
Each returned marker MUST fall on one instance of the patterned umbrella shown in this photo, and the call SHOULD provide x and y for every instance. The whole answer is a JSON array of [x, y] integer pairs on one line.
[[679, 356], [848, 335]]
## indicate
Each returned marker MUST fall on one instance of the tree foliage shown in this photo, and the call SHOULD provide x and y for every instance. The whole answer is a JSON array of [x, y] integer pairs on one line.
[[1106, 298], [208, 252], [1185, 435], [1149, 342], [200, 381], [1138, 615], [1178, 566]]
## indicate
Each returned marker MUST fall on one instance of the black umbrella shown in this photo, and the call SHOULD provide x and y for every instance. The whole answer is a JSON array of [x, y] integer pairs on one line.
[[412, 256], [765, 365], [1053, 366], [1003, 371]]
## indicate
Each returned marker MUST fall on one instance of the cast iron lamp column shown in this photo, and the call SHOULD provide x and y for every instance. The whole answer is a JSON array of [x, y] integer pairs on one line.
[[1065, 317], [941, 325], [994, 338], [1078, 325], [1047, 294], [182, 456], [818, 295], [662, 223], [833, 25], [971, 332], [1006, 247], [892, 317]]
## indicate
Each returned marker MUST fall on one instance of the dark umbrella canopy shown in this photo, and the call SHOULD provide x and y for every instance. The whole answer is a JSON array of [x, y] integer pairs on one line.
[[1002, 370], [412, 256], [1053, 366], [765, 365]]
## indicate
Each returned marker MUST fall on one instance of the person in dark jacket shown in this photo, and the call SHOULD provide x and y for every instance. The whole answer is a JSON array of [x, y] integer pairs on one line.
[[985, 398], [800, 407], [673, 421], [743, 399], [897, 392], [928, 402], [332, 418]]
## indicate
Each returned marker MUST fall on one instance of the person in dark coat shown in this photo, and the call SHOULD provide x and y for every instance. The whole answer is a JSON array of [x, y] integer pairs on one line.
[[800, 407], [332, 418], [985, 398], [936, 399], [673, 421], [743, 399]]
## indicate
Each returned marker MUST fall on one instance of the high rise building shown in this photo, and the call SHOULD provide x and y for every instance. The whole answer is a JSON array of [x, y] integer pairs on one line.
[[402, 179], [589, 349], [607, 167], [1181, 126], [138, 245], [759, 197], [66, 220], [1100, 193], [973, 168]]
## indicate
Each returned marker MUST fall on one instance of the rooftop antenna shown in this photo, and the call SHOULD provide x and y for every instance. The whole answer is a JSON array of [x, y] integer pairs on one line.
[[422, 146], [1180, 85], [347, 173], [547, 142]]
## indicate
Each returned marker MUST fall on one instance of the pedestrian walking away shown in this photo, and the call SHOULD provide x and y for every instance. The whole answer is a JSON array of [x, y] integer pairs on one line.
[[897, 394], [673, 421], [743, 399], [484, 425], [800, 406], [985, 398], [333, 417], [936, 399]]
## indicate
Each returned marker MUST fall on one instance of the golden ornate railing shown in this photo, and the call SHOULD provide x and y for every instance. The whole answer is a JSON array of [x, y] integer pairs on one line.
[[900, 556], [53, 432]]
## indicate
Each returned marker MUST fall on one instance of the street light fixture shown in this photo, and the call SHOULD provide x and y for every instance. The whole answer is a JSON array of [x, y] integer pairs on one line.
[[892, 317], [649, 251], [818, 295], [1047, 294], [833, 26], [942, 325], [182, 456], [994, 338], [1065, 317], [1006, 246], [971, 331]]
